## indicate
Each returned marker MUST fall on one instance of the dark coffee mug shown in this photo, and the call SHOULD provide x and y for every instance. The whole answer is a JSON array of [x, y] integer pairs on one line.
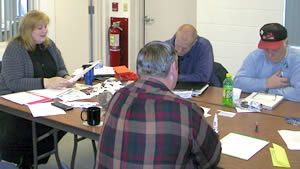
[[93, 115]]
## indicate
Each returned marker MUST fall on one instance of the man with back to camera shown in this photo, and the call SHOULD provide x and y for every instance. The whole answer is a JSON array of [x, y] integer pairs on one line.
[[148, 126], [274, 67], [195, 56]]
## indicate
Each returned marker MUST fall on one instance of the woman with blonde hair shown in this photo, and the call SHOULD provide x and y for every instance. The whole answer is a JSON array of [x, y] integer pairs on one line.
[[30, 61]]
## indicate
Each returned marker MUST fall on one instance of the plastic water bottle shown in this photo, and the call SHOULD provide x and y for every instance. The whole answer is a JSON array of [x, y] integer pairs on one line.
[[227, 90]]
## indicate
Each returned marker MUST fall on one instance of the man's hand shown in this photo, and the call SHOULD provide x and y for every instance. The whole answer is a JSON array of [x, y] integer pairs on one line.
[[277, 82]]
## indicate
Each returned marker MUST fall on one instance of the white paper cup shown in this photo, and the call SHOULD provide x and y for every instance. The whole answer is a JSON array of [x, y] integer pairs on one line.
[[236, 94]]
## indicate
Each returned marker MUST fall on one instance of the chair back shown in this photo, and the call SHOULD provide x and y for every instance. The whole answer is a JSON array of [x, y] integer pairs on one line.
[[220, 72]]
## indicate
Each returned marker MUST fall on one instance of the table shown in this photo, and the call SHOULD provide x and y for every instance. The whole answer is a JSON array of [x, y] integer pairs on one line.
[[69, 122], [269, 123], [213, 95]]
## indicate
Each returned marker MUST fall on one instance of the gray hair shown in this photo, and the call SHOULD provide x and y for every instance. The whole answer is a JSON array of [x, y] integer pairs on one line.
[[155, 59]]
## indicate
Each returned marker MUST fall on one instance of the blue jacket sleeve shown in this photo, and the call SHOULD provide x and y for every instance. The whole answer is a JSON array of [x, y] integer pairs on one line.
[[291, 92], [246, 78]]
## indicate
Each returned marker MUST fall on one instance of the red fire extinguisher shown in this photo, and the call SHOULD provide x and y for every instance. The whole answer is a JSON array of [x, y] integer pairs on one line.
[[114, 44]]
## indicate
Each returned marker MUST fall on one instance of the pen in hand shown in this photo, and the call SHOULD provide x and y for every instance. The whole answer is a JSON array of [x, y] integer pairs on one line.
[[281, 74]]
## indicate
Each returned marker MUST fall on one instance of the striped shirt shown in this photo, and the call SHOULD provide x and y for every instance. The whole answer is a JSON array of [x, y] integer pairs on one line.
[[147, 126]]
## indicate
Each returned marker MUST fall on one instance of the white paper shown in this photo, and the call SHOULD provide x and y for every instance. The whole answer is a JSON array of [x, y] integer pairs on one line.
[[239, 110], [23, 97], [291, 138], [105, 70], [51, 93], [44, 109], [226, 113], [81, 104], [74, 95], [241, 146], [206, 110]]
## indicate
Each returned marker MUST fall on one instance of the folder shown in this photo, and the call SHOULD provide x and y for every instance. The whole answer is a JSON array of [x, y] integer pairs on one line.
[[26, 98]]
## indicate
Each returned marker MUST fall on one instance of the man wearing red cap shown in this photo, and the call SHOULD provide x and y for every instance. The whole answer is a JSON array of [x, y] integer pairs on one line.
[[274, 67]]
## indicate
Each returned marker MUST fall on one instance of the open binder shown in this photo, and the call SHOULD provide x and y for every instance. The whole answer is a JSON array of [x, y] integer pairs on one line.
[[268, 101]]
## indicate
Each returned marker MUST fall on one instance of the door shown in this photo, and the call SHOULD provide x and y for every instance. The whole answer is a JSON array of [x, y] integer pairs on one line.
[[163, 17]]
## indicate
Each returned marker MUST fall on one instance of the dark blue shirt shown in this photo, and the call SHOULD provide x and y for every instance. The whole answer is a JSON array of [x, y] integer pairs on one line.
[[197, 64]]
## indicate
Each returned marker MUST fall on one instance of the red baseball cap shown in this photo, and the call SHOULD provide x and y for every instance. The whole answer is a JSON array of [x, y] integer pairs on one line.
[[272, 35]]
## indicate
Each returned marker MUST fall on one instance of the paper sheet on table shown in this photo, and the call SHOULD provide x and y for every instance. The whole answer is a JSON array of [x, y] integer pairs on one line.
[[226, 113], [279, 157], [44, 109], [105, 70], [239, 110], [25, 98], [291, 138], [82, 105], [206, 110], [51, 93], [75, 95], [241, 146]]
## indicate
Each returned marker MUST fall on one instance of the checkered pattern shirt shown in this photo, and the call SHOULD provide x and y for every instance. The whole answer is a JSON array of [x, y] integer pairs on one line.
[[147, 126]]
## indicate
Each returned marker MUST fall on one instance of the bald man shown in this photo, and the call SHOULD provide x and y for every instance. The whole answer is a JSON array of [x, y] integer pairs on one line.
[[195, 56]]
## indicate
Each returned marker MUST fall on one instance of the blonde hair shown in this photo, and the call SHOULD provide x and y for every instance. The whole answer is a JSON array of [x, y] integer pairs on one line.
[[30, 22]]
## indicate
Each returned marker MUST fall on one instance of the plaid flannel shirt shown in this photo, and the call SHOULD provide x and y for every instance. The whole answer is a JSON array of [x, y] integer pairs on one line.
[[147, 126]]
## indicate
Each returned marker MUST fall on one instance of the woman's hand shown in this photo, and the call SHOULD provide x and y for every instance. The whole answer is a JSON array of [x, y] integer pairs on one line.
[[68, 77], [57, 82]]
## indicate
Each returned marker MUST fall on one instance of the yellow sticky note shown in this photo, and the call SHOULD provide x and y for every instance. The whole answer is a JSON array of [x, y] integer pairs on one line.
[[279, 157]]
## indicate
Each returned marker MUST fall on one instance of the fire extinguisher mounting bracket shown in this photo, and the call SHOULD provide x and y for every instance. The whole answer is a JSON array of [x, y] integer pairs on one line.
[[117, 25]]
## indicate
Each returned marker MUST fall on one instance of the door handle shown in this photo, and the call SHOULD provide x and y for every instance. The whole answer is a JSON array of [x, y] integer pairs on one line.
[[148, 19]]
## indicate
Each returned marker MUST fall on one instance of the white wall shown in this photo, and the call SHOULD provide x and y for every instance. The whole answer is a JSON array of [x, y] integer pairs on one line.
[[72, 32], [232, 26], [70, 29], [49, 8]]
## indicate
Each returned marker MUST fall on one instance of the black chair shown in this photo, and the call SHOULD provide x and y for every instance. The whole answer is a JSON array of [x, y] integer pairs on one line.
[[220, 72]]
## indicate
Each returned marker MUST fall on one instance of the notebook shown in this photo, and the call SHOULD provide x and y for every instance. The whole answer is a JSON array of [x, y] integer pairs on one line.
[[190, 85], [268, 101], [194, 88]]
